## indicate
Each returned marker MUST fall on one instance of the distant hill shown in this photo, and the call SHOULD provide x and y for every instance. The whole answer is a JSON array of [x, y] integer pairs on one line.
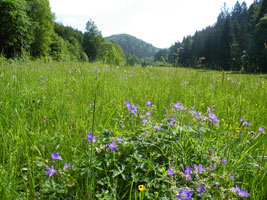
[[134, 46]]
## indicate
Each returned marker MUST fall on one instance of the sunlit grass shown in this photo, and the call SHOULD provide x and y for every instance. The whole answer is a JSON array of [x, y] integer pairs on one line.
[[48, 107]]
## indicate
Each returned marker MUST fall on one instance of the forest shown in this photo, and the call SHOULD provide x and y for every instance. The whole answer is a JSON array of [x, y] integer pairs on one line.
[[237, 41], [28, 30]]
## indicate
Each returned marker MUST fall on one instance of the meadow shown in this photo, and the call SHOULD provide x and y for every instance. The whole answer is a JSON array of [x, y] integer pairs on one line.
[[92, 131]]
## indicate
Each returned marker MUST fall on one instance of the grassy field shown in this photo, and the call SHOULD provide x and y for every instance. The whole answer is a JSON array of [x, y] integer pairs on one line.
[[50, 108]]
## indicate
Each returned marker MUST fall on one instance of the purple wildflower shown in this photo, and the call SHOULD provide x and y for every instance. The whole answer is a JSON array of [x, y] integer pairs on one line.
[[91, 137], [134, 108], [178, 105], [127, 103], [112, 146], [184, 195], [261, 130], [224, 161], [56, 156], [212, 167], [172, 120], [241, 192], [144, 120], [232, 176], [187, 172], [66, 166], [185, 82], [50, 171], [129, 107], [149, 103], [244, 122], [213, 118], [170, 172], [200, 189], [94, 139], [199, 169], [148, 113], [210, 109], [212, 152], [119, 139]]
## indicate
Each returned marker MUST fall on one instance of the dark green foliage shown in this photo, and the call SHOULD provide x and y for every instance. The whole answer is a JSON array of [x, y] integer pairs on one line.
[[133, 46], [263, 9], [234, 42], [92, 40], [68, 33], [42, 26], [258, 50], [110, 52], [162, 55], [73, 43], [15, 28]]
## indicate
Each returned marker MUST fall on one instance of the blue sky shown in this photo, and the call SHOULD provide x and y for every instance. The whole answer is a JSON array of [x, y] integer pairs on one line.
[[159, 22]]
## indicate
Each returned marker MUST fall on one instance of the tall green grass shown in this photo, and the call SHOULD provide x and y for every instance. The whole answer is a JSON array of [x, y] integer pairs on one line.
[[49, 107]]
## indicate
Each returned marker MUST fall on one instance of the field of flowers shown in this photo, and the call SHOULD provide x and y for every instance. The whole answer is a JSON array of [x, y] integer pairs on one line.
[[91, 131]]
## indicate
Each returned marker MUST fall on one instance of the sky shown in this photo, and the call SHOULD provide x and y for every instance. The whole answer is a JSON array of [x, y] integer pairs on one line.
[[158, 22]]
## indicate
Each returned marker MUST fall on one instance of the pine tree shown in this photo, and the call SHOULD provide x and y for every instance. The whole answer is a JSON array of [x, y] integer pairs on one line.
[[92, 40]]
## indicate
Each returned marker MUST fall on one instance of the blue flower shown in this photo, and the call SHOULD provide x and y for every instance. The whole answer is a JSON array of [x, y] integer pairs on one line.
[[213, 118], [200, 189], [187, 172], [261, 130], [131, 107], [244, 122], [178, 105], [170, 172], [149, 103], [119, 139], [241, 192], [185, 195], [212, 152], [199, 169], [224, 161], [91, 137], [112, 146], [56, 156], [66, 166], [144, 120], [50, 171]]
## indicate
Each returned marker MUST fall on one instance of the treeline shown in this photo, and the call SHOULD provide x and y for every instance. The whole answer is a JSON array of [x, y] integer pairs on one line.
[[237, 41], [28, 30]]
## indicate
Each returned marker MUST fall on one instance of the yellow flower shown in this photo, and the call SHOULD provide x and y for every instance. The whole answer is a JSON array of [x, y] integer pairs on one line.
[[141, 188]]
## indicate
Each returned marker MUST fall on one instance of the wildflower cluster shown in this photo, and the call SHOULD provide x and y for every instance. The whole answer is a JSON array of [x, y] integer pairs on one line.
[[51, 170], [131, 107], [192, 172]]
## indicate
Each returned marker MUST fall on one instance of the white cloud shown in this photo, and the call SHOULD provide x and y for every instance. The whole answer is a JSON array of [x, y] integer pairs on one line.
[[160, 22]]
